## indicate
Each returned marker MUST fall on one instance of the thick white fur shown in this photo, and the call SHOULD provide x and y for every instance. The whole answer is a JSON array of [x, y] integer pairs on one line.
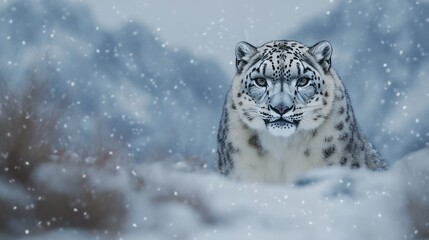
[[283, 159]]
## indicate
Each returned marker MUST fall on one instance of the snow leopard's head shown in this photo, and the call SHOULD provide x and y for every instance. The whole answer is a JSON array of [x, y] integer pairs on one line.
[[283, 86]]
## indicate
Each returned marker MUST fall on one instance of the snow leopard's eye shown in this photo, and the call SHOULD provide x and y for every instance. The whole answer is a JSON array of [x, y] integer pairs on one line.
[[261, 82], [302, 81]]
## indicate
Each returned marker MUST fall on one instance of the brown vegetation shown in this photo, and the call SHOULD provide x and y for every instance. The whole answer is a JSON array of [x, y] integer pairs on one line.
[[42, 185]]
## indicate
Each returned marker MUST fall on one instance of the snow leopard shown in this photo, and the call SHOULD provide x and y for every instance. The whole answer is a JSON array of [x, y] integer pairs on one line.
[[287, 111]]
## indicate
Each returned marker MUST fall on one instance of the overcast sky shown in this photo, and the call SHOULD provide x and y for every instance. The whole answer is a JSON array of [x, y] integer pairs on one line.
[[211, 28]]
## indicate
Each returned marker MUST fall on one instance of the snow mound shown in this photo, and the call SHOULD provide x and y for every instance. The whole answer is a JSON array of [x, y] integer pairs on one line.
[[331, 203]]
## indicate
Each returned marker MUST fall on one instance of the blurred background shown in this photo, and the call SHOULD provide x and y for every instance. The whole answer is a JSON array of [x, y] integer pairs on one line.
[[211, 29], [144, 81], [153, 75]]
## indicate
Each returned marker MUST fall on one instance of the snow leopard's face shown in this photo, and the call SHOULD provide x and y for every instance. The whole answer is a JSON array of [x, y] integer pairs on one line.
[[282, 86]]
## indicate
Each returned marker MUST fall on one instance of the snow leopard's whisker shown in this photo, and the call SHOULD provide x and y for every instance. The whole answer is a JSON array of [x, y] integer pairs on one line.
[[310, 107], [244, 109]]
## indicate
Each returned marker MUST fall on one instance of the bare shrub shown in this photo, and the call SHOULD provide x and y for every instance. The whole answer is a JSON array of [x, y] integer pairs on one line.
[[42, 184], [27, 133]]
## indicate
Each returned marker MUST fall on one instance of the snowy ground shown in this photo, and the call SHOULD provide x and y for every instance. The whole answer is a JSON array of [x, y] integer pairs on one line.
[[334, 203]]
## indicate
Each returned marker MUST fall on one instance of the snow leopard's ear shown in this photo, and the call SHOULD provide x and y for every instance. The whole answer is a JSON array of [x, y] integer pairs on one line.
[[243, 52], [322, 52]]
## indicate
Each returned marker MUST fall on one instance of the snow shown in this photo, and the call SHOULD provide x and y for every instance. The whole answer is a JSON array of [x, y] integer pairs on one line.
[[331, 203], [116, 137], [328, 204]]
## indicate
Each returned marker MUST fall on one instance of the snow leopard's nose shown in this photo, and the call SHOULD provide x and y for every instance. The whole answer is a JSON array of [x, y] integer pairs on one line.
[[281, 103], [281, 109]]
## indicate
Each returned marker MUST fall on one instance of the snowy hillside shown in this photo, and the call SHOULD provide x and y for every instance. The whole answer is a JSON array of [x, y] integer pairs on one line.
[[155, 100], [381, 52]]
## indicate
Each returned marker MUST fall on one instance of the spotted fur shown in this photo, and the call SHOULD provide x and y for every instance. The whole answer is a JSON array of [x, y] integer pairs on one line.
[[286, 112]]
